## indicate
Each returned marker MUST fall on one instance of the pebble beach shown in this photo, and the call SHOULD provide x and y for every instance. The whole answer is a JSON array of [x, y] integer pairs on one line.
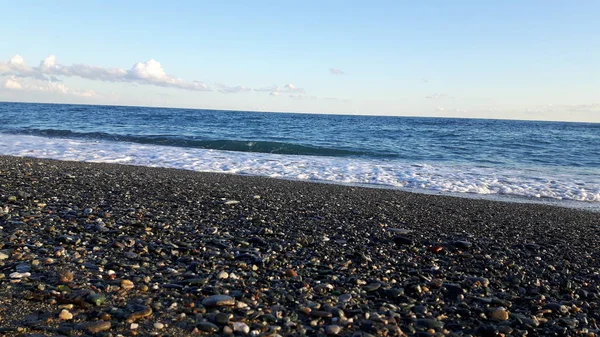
[[114, 250]]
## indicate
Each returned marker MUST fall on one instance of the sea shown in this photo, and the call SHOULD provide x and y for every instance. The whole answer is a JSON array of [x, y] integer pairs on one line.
[[520, 161]]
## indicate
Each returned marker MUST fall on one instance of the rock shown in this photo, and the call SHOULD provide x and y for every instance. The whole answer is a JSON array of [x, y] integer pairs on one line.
[[95, 327], [3, 256], [65, 276], [430, 323], [460, 244], [223, 275], [231, 202], [220, 318], [207, 327], [499, 314], [402, 241], [344, 298], [291, 273], [333, 329], [142, 313], [17, 275], [65, 315], [218, 301], [159, 326], [127, 284], [241, 327]]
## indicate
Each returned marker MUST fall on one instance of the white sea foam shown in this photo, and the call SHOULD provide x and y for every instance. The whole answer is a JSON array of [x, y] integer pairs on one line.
[[454, 178]]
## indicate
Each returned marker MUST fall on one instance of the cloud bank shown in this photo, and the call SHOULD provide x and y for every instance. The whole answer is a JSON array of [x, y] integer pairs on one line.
[[150, 72], [46, 77], [14, 83]]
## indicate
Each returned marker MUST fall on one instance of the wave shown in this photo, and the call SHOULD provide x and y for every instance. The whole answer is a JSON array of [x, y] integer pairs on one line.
[[193, 142], [462, 179]]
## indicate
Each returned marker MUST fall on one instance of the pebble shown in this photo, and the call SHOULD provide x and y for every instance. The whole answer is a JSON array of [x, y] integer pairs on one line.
[[333, 329], [65, 315], [218, 301], [17, 275], [223, 275], [207, 327], [95, 327], [241, 327], [499, 314], [159, 326], [3, 255], [127, 284]]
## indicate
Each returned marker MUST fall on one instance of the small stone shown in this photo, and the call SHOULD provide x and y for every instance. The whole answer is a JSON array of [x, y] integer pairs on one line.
[[499, 314], [134, 326], [127, 284], [231, 202], [65, 276], [241, 327], [345, 298], [96, 327], [402, 241], [96, 299], [461, 244], [65, 315], [333, 329], [221, 318], [207, 327], [321, 314], [4, 256], [430, 323], [223, 275], [218, 301], [144, 312], [291, 273], [17, 275], [159, 326]]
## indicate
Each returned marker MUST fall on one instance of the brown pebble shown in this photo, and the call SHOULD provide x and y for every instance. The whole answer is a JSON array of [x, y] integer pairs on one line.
[[291, 273], [499, 314], [139, 314], [65, 276], [96, 327]]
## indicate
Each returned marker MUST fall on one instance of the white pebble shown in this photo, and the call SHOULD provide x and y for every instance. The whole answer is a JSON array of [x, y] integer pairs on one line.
[[241, 327], [223, 275], [158, 325], [134, 326]]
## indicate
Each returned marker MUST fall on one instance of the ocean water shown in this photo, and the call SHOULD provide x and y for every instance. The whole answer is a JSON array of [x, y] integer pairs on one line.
[[555, 162]]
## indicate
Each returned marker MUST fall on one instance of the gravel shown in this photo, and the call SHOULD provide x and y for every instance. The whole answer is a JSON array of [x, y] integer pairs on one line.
[[107, 250]]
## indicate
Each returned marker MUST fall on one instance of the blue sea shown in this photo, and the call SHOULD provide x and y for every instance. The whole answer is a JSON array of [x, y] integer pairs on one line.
[[531, 161]]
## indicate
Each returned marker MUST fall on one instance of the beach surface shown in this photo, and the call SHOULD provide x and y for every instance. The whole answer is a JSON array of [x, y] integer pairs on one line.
[[106, 249]]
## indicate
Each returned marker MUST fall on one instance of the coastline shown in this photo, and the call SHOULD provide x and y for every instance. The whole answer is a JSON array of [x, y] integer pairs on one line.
[[307, 257]]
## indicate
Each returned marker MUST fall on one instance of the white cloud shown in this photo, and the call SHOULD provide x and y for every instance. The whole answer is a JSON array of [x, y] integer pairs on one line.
[[232, 89], [335, 71], [14, 83], [150, 72], [439, 96], [11, 83], [288, 88]]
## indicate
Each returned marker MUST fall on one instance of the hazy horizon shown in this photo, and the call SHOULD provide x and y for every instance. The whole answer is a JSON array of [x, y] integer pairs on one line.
[[527, 61]]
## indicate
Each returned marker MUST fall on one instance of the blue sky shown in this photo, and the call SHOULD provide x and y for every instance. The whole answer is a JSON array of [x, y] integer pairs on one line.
[[507, 59]]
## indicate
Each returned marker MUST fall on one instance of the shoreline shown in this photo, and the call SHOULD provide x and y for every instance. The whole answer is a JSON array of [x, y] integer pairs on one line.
[[510, 198], [102, 248]]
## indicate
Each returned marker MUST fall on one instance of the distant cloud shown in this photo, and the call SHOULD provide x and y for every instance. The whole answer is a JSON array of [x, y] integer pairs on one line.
[[150, 72], [439, 96], [302, 97], [335, 71], [231, 90], [13, 83], [440, 109], [288, 88], [49, 73]]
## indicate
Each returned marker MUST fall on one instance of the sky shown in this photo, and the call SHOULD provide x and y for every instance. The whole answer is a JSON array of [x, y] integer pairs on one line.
[[487, 59]]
